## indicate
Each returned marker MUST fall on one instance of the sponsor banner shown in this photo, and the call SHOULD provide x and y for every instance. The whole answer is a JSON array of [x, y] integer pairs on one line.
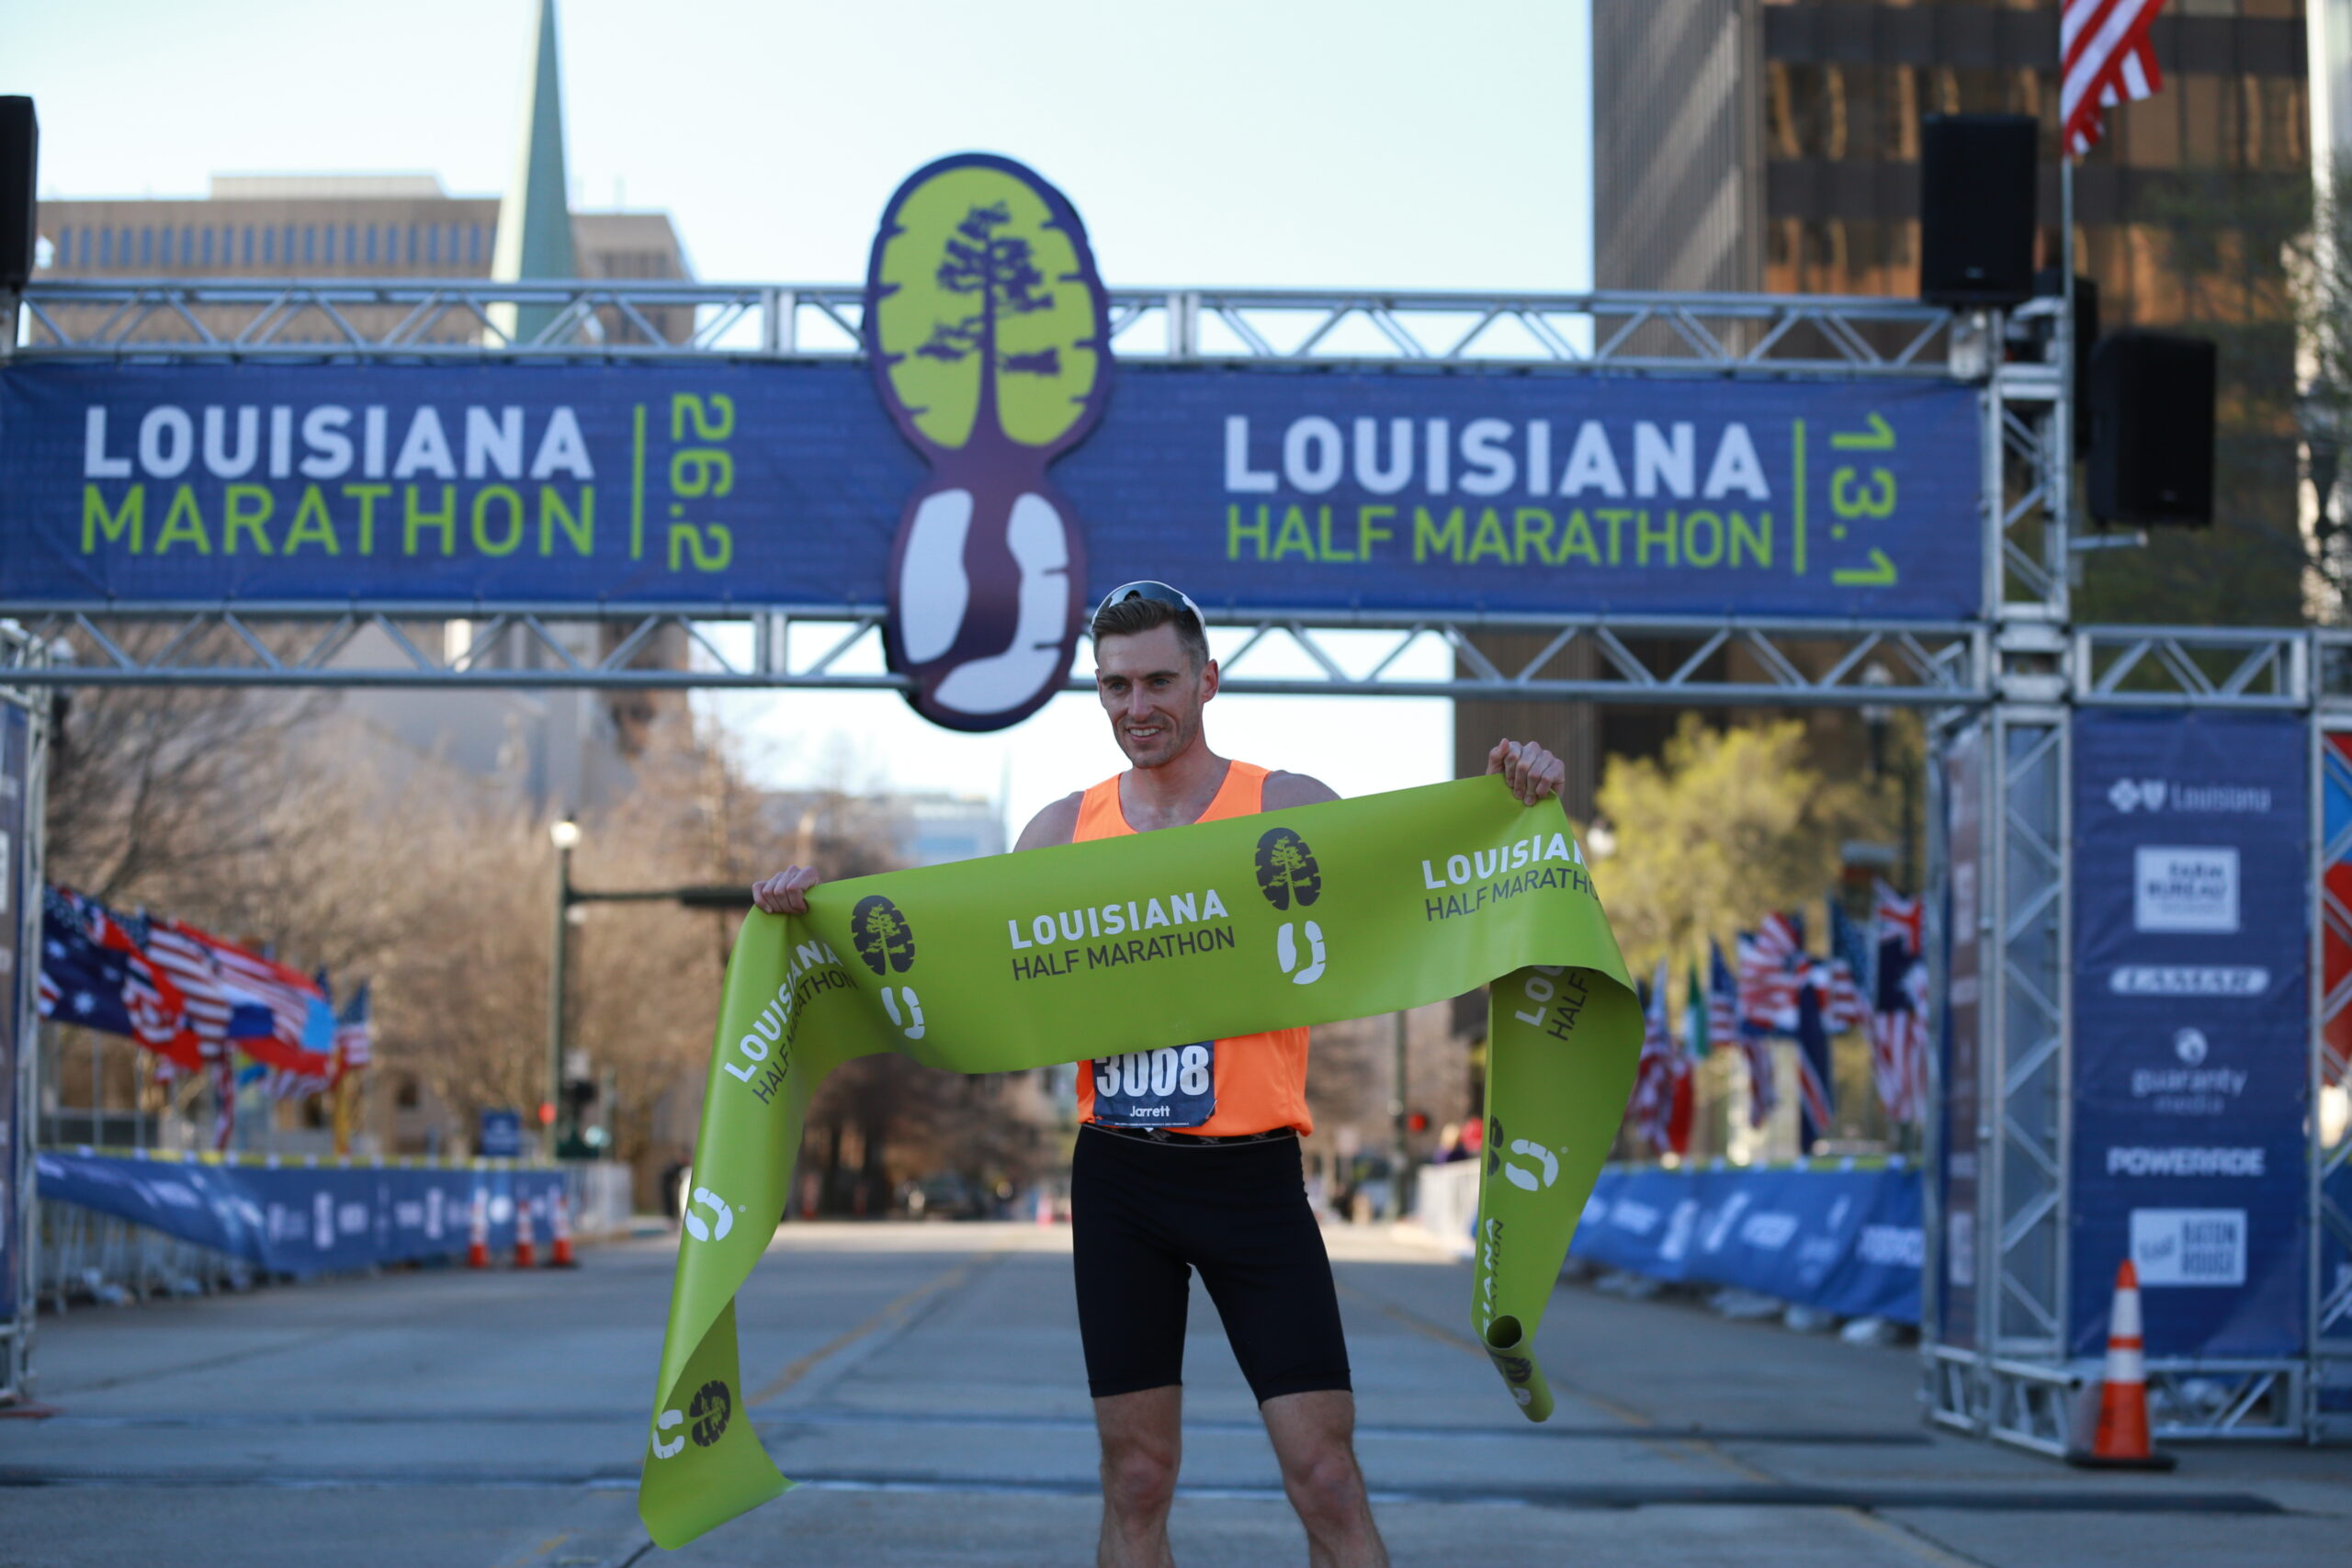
[[1963, 805], [737, 484], [303, 1219], [18, 970], [2190, 1059], [1845, 1240], [1144, 944]]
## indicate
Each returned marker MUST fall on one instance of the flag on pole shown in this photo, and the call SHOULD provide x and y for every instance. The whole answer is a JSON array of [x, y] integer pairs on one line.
[[95, 974], [1660, 1109], [1723, 998], [1754, 1035], [1851, 980], [2108, 59], [1899, 1006], [1769, 962], [277, 1015], [1697, 1026], [354, 1033]]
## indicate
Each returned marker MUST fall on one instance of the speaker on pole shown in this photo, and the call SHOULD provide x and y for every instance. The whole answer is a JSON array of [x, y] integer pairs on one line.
[[19, 159], [2152, 428], [1977, 198], [2046, 286]]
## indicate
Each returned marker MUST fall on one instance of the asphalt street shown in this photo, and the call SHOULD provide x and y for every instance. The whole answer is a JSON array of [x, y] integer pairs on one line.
[[924, 1385]]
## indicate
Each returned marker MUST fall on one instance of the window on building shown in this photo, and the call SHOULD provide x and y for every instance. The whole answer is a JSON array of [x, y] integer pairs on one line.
[[326, 244], [208, 248], [146, 247], [350, 244], [310, 245], [433, 243], [473, 244], [248, 245], [269, 247], [412, 245], [164, 249]]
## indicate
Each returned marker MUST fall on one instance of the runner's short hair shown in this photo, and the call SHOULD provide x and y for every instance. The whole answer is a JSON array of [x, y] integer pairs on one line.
[[1130, 617]]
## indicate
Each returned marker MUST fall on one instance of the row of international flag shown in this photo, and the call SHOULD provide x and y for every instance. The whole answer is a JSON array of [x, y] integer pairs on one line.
[[1874, 980], [199, 1002]]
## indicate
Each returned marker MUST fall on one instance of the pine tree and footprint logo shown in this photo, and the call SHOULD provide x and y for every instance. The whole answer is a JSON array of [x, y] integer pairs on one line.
[[879, 930], [1287, 875], [988, 332]]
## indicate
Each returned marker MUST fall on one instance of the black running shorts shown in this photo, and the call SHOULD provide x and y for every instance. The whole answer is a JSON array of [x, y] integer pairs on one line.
[[1145, 1214]]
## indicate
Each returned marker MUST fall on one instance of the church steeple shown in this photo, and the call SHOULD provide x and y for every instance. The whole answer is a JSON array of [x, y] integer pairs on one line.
[[535, 216]]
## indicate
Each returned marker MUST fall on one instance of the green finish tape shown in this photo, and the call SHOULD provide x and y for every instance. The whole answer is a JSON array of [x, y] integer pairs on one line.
[[1340, 910]]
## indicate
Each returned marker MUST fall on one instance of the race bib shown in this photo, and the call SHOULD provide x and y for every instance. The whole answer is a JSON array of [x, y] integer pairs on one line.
[[1172, 1087]]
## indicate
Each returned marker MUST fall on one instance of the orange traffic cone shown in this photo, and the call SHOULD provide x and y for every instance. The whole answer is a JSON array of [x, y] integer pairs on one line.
[[526, 1252], [2121, 1441], [559, 1224], [478, 1238]]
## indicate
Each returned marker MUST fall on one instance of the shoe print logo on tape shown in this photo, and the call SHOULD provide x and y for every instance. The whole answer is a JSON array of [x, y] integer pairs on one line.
[[1286, 869], [988, 332], [881, 935], [879, 930], [1287, 874]]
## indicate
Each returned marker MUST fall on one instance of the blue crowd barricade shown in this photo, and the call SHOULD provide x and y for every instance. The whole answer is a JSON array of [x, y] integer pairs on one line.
[[301, 1217], [1844, 1237]]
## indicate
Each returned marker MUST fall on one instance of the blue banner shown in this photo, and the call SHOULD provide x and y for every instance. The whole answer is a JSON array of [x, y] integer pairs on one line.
[[2191, 1046], [1840, 1238], [18, 970], [755, 484], [306, 1219]]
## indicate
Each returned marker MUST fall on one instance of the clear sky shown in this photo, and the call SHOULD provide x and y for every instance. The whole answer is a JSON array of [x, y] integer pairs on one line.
[[1278, 142]]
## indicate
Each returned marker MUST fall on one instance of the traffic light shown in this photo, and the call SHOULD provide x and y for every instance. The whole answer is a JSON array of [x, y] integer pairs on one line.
[[1418, 1121]]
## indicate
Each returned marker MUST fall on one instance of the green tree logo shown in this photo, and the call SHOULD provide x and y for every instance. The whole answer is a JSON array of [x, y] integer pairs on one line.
[[882, 936], [1286, 870]]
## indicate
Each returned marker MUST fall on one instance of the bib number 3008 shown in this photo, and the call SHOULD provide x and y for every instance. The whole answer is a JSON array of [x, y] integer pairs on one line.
[[1172, 1087]]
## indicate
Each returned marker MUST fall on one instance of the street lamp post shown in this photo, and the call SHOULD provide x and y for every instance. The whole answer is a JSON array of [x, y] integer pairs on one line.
[[565, 835]]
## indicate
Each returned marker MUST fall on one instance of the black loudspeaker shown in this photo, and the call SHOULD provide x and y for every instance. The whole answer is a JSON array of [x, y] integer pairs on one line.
[[19, 157], [2152, 428], [1976, 207], [2045, 287]]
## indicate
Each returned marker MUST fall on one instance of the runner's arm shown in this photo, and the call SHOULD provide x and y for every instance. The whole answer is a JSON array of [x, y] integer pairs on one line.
[[1057, 824], [1296, 789]]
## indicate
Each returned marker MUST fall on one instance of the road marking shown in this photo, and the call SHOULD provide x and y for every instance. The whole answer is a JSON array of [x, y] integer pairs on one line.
[[893, 1314], [1704, 1445]]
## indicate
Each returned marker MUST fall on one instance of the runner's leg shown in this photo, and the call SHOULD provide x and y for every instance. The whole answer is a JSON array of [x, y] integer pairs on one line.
[[1314, 1437], [1142, 1444], [1133, 1292]]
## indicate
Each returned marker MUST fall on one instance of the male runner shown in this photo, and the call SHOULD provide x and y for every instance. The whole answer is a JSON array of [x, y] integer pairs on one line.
[[1204, 1172]]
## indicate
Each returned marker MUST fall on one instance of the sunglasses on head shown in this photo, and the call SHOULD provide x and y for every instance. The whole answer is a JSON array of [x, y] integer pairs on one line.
[[1148, 589]]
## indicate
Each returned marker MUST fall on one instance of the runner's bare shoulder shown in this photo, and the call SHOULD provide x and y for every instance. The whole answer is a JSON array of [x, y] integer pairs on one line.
[[1057, 824], [1296, 789]]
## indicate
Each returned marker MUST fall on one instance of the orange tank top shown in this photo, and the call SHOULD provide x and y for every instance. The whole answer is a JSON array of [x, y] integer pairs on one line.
[[1260, 1079]]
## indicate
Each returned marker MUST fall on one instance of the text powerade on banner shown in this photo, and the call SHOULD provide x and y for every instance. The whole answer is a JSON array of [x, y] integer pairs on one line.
[[752, 484]]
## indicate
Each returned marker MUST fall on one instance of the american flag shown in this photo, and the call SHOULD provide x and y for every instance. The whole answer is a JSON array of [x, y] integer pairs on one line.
[[1853, 974], [1723, 998], [95, 974], [276, 1013], [176, 950], [1660, 1109], [354, 1033], [1899, 1006], [1769, 960], [2108, 59]]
